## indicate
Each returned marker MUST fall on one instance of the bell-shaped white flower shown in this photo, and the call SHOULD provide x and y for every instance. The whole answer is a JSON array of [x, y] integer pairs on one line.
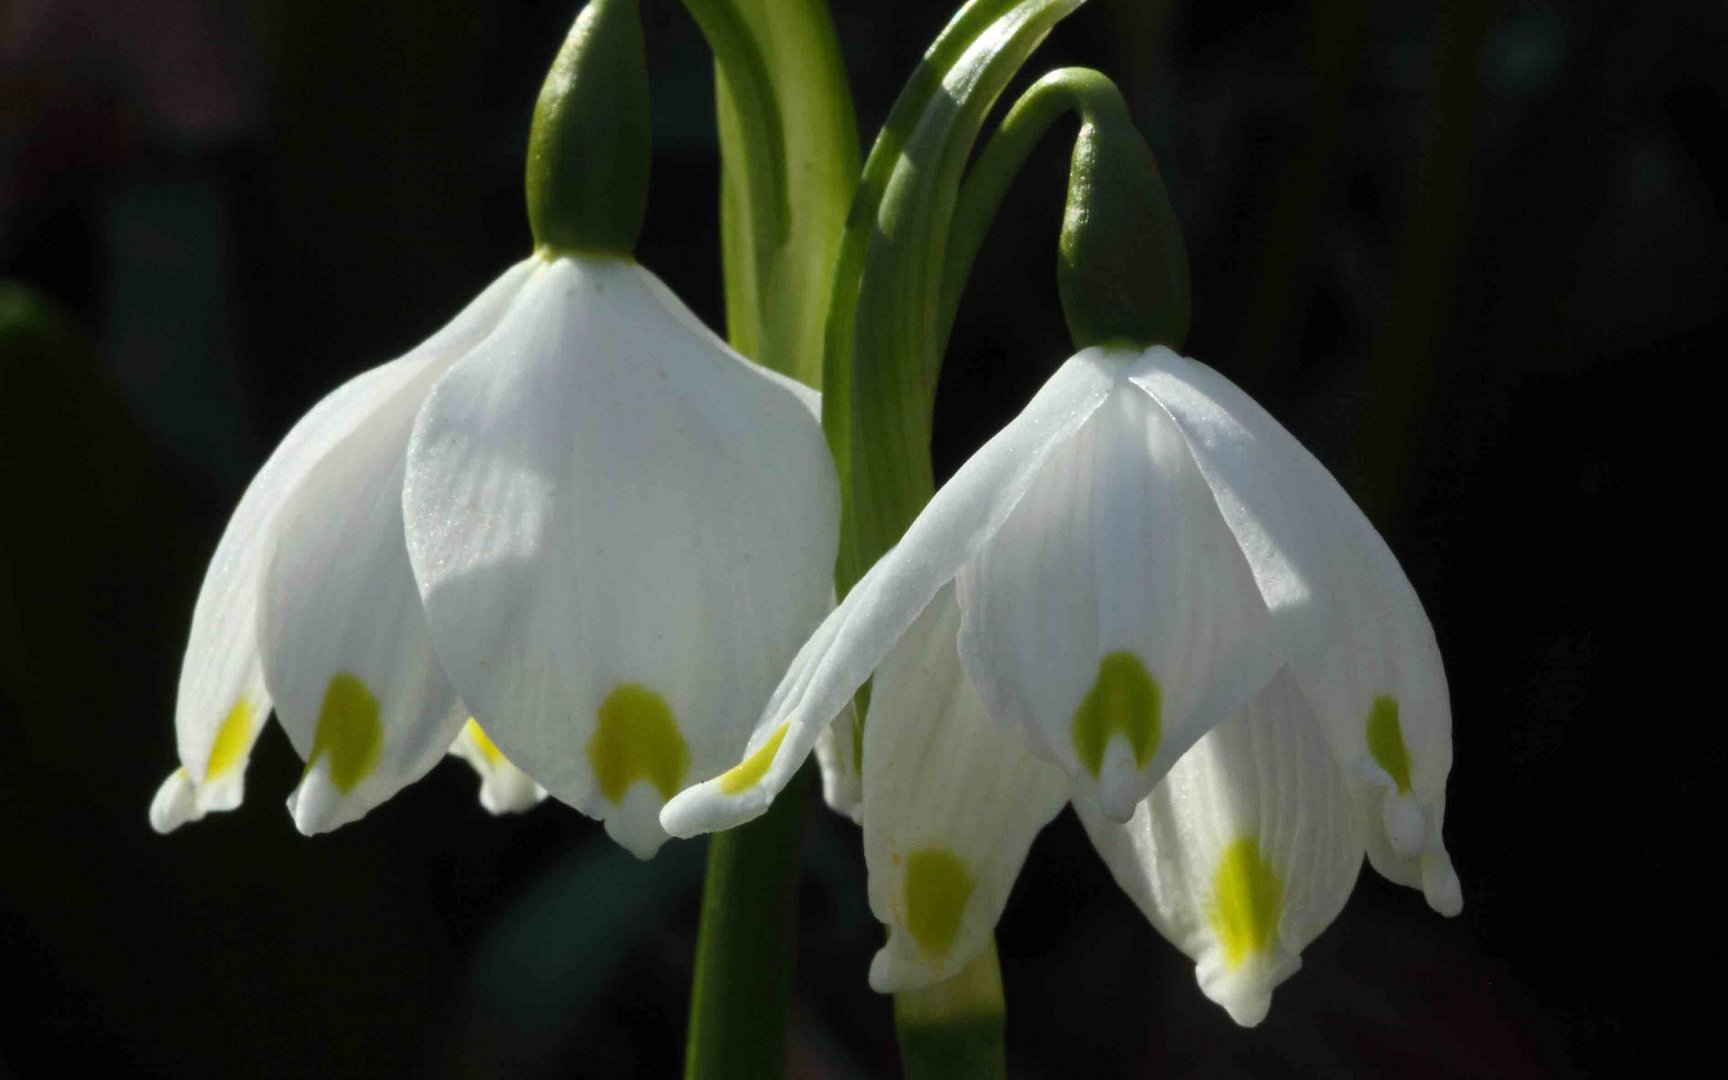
[[617, 531], [622, 530], [1246, 851], [309, 606], [1120, 571]]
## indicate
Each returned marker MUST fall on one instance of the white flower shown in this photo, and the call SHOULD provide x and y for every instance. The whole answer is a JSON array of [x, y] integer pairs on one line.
[[573, 513], [1145, 596]]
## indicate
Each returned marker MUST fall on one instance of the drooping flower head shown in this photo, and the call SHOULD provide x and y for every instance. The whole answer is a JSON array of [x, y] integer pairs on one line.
[[1146, 597], [573, 531]]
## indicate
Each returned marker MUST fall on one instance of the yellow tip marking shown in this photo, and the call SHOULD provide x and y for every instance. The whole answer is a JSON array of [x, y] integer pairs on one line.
[[483, 742], [637, 738], [348, 731], [1247, 901], [749, 772], [1386, 741], [233, 740], [1124, 700], [937, 888]]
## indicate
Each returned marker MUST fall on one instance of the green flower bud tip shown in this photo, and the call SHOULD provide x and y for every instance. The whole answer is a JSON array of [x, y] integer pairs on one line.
[[591, 141], [1123, 271]]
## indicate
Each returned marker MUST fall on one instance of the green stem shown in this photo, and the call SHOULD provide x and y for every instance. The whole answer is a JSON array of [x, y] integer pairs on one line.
[[883, 347], [779, 246], [789, 159], [953, 1030], [741, 994]]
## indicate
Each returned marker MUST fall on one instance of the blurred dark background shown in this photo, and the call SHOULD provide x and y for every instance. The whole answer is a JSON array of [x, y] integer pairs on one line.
[[1443, 243]]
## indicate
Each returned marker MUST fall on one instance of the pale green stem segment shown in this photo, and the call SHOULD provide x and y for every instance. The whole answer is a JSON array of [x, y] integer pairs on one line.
[[592, 140], [1122, 265], [953, 1030], [788, 162], [778, 237]]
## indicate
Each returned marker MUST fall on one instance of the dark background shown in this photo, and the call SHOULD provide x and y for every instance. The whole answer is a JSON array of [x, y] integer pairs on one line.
[[1471, 257]]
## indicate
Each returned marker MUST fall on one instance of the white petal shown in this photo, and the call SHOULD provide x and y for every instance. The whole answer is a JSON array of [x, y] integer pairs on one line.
[[855, 637], [1429, 870], [840, 756], [175, 804], [223, 702], [1113, 618], [1246, 851], [346, 651], [952, 804], [1351, 625], [504, 789], [622, 530]]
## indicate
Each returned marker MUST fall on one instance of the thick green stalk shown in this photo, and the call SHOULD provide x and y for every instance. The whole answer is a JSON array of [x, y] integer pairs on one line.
[[779, 255], [741, 994], [789, 159]]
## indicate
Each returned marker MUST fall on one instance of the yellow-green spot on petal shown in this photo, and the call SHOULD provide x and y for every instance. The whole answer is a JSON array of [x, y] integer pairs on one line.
[[748, 772], [637, 738], [482, 742], [1124, 700], [232, 741], [937, 888], [349, 732], [1386, 742], [1247, 901]]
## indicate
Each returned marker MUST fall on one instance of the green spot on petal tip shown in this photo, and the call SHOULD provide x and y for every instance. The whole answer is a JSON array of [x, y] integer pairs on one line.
[[937, 888], [1247, 902], [232, 741], [1124, 700], [637, 738], [1386, 742], [349, 732]]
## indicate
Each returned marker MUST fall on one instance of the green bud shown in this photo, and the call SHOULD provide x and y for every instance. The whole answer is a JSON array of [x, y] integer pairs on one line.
[[591, 143], [1123, 268]]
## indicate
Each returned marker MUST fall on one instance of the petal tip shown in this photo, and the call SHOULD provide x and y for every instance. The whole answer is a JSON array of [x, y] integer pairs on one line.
[[642, 839], [175, 803], [1440, 885], [1406, 827], [705, 809]]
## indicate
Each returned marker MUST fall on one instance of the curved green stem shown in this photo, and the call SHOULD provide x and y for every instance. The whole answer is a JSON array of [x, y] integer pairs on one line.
[[1124, 268], [742, 69], [882, 341], [1079, 91]]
